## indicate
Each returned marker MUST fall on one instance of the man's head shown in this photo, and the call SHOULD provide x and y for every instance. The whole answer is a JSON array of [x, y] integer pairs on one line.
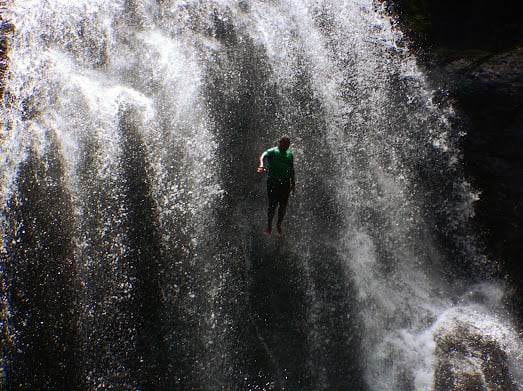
[[284, 143]]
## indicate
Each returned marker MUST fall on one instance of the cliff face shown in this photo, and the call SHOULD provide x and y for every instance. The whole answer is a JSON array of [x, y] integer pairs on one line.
[[474, 49]]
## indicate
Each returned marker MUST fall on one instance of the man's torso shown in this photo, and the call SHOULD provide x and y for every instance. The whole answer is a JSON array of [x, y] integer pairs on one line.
[[280, 164]]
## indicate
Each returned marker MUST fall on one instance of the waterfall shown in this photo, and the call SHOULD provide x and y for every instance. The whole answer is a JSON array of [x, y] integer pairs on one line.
[[133, 256]]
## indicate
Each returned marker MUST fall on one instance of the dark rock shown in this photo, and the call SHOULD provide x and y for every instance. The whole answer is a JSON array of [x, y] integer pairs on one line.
[[461, 24]]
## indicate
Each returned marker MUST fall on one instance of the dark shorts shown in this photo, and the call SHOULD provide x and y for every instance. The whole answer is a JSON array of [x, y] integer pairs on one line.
[[278, 191]]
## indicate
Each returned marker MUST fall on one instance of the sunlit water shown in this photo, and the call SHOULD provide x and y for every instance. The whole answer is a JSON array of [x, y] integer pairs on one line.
[[132, 255]]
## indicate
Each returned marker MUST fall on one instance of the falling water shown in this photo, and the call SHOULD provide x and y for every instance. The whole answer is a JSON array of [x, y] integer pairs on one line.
[[132, 257]]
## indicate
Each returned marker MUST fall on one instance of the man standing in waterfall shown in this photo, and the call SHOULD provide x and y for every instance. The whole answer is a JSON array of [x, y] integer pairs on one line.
[[278, 162]]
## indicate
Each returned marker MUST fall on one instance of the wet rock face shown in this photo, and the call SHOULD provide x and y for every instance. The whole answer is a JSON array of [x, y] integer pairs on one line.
[[473, 52], [488, 88], [468, 360]]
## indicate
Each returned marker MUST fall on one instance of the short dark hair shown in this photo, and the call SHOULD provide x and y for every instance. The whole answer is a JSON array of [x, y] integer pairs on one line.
[[285, 138]]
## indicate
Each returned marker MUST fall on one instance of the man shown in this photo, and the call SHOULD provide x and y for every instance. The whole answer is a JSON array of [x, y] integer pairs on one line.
[[278, 162]]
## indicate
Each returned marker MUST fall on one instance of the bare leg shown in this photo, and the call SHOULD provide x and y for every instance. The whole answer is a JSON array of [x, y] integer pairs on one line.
[[281, 210], [270, 214]]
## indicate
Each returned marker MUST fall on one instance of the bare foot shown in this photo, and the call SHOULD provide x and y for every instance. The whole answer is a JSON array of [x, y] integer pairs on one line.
[[268, 231]]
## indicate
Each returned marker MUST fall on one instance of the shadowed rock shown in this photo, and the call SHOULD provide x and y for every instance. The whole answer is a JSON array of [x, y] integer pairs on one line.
[[143, 260], [42, 283]]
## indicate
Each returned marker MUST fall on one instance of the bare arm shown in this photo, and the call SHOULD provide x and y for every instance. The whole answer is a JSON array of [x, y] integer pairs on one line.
[[261, 167]]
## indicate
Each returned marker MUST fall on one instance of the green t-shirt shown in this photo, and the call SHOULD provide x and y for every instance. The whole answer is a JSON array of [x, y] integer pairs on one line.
[[280, 164]]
